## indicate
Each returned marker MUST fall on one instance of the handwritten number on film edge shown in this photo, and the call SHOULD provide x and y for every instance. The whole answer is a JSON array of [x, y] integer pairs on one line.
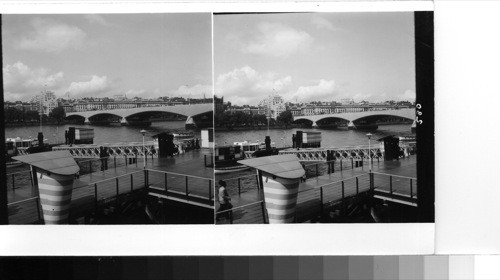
[[419, 113]]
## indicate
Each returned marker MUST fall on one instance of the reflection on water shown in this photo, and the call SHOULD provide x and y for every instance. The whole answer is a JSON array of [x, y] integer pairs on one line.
[[113, 133], [330, 137]]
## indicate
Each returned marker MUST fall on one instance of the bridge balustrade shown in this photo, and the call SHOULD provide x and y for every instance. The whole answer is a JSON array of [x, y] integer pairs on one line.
[[320, 154]]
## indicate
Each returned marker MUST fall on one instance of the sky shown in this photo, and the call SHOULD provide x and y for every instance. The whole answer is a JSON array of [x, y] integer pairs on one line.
[[99, 55], [314, 56]]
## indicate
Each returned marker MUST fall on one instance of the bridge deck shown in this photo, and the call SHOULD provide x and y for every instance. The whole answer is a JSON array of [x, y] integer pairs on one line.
[[190, 164], [309, 201]]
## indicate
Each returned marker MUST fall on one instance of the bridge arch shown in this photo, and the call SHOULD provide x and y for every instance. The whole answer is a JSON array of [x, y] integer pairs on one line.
[[381, 116], [360, 117]]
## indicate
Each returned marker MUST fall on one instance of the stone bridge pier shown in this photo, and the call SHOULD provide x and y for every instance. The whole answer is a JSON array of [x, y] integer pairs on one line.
[[87, 121], [123, 121]]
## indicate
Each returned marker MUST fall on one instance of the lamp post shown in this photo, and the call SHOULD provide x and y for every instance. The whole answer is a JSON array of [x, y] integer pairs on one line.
[[144, 147], [369, 151]]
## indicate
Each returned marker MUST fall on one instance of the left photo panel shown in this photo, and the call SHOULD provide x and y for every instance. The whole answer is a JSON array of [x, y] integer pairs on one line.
[[108, 119]]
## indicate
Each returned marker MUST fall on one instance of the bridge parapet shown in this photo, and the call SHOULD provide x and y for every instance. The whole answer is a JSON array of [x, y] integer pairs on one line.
[[119, 150], [320, 154]]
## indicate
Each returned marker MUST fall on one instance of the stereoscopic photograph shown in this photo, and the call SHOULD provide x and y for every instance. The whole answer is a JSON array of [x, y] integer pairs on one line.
[[316, 118], [108, 118]]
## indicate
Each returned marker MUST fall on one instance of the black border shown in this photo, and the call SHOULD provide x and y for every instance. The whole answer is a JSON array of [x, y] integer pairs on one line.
[[424, 73]]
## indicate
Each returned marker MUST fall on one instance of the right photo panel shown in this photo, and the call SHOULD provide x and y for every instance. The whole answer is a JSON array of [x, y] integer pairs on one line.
[[317, 118]]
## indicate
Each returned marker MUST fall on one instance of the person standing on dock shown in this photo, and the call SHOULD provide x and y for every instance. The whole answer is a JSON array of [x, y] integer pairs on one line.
[[224, 201]]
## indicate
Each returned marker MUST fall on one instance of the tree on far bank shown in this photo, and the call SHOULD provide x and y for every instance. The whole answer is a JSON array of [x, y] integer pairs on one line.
[[58, 114], [285, 118]]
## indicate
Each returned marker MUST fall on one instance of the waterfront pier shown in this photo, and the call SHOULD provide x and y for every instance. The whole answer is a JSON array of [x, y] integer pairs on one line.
[[321, 195], [182, 180]]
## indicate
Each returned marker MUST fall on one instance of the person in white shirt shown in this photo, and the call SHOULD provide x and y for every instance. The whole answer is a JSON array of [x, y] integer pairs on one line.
[[224, 201]]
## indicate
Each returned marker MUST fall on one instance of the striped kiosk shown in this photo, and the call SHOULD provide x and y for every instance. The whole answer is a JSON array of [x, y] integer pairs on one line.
[[55, 173], [280, 177]]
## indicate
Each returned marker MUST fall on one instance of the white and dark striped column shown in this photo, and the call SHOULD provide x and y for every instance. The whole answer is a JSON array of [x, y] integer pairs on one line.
[[55, 197], [280, 196]]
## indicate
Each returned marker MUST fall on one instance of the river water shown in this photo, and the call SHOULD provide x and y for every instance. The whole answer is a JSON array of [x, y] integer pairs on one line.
[[102, 134], [330, 137]]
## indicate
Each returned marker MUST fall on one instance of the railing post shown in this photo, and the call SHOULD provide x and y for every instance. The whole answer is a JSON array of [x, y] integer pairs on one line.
[[117, 187], [357, 186], [135, 160], [209, 190], [411, 188], [131, 181], [372, 181], [390, 184], [187, 188], [38, 208], [263, 207], [31, 180], [166, 175], [343, 191], [146, 179], [96, 199], [340, 165], [126, 161], [239, 186], [114, 159], [205, 159], [317, 174], [352, 163], [321, 197]]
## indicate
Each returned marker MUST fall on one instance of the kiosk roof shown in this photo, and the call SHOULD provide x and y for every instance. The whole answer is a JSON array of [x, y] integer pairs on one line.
[[57, 162], [284, 166]]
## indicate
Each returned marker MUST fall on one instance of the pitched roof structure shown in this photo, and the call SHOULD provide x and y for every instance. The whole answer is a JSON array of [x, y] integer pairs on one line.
[[57, 162], [284, 166]]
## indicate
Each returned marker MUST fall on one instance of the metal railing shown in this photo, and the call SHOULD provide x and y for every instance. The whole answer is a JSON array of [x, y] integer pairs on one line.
[[312, 202], [182, 184], [242, 184], [89, 166], [31, 215], [396, 185], [323, 168], [20, 179], [257, 214]]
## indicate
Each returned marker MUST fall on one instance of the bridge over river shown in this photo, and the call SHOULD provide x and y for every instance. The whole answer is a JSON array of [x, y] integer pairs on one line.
[[356, 119], [193, 112]]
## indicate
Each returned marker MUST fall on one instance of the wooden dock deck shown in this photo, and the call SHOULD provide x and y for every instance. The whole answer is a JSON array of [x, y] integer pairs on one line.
[[175, 171], [327, 189]]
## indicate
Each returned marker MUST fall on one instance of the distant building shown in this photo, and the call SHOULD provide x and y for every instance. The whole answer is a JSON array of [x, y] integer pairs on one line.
[[274, 105], [44, 102]]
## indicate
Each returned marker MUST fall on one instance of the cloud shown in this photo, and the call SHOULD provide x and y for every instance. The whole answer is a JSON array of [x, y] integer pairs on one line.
[[135, 92], [321, 23], [196, 91], [323, 91], [408, 95], [96, 19], [247, 86], [51, 36], [278, 40], [21, 82], [94, 87]]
